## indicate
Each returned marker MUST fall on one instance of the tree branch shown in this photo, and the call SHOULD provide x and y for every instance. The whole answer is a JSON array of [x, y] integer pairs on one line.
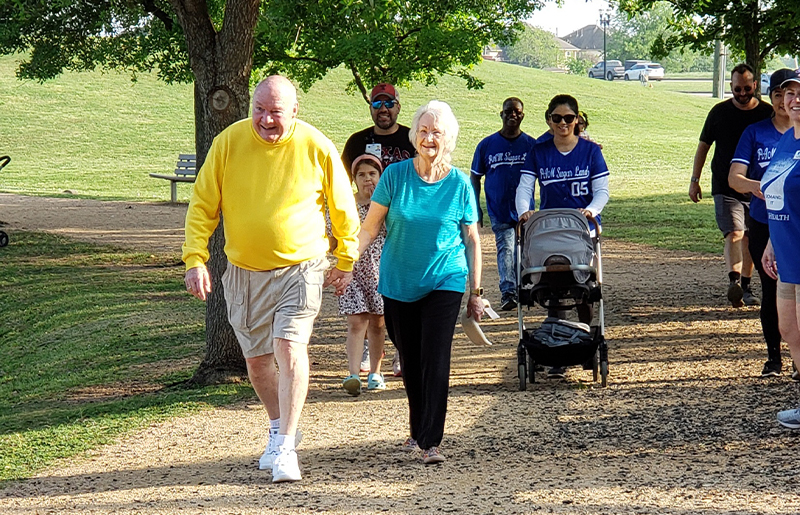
[[151, 7], [358, 81]]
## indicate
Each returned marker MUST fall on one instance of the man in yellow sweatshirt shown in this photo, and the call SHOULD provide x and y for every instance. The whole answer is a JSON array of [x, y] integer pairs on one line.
[[269, 176]]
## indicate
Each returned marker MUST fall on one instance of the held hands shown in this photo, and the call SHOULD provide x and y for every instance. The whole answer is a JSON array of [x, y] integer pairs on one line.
[[338, 279], [475, 307], [695, 192], [198, 282]]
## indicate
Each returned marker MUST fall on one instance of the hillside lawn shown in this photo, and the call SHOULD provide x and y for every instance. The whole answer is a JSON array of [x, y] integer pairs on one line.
[[98, 136]]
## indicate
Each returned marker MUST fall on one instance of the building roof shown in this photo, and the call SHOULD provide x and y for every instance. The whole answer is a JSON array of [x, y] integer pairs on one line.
[[564, 45], [589, 37]]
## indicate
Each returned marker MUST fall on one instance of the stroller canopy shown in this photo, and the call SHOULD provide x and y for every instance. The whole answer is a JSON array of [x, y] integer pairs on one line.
[[556, 232]]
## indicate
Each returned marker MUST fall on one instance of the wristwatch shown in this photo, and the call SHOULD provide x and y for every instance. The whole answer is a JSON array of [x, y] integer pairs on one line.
[[477, 291], [695, 179]]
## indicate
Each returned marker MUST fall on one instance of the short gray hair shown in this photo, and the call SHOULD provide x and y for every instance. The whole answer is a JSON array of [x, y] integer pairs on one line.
[[446, 122]]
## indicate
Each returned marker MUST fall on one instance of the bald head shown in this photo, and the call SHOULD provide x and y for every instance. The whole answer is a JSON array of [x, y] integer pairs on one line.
[[274, 108]]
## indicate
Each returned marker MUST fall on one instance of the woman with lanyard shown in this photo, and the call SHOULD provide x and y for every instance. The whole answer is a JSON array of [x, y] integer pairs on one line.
[[751, 158], [572, 173], [781, 261]]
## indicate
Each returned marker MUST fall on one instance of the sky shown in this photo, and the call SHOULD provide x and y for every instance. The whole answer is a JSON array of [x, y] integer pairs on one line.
[[573, 15]]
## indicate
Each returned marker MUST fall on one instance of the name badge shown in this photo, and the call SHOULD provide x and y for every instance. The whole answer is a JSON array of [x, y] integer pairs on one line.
[[374, 149]]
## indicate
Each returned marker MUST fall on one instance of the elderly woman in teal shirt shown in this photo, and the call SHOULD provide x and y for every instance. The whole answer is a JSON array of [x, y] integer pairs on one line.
[[432, 252]]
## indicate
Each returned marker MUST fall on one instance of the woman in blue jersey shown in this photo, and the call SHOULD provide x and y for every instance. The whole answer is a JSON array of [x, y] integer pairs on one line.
[[432, 250], [781, 188], [753, 153], [571, 173]]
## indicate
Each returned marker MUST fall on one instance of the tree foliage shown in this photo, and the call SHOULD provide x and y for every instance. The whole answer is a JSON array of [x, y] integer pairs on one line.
[[534, 47], [633, 37], [578, 65], [378, 40], [757, 29]]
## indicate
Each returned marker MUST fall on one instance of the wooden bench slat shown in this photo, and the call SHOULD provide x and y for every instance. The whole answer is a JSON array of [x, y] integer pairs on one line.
[[185, 171]]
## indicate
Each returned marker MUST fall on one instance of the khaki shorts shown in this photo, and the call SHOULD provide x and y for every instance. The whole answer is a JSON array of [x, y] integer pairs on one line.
[[788, 291], [280, 303]]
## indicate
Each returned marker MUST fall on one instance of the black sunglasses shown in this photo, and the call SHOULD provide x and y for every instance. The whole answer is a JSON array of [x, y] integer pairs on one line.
[[568, 118], [376, 104], [747, 89]]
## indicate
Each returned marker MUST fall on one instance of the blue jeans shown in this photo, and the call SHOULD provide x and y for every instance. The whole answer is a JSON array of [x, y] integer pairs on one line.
[[505, 240]]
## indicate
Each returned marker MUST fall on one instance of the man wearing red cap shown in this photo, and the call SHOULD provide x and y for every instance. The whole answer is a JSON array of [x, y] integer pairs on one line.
[[388, 140]]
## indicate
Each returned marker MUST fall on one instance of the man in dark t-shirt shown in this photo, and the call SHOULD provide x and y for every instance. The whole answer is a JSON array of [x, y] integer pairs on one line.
[[724, 126], [386, 138]]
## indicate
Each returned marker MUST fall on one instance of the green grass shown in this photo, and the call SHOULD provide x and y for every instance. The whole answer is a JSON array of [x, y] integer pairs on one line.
[[94, 342], [98, 135]]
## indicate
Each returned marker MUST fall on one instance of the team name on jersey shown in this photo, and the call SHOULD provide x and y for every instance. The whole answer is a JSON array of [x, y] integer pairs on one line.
[[778, 217], [765, 154], [505, 158], [557, 174]]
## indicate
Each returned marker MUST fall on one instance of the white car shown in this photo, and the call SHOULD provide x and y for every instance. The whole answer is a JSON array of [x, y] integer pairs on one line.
[[654, 71], [765, 83]]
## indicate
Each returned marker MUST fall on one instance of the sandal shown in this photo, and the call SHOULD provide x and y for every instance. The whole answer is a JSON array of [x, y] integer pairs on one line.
[[352, 384]]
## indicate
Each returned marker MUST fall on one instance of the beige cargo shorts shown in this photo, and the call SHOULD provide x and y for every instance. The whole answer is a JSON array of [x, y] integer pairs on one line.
[[280, 303]]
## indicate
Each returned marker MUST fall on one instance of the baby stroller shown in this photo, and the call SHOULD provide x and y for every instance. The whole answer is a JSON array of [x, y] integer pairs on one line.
[[4, 160], [559, 267]]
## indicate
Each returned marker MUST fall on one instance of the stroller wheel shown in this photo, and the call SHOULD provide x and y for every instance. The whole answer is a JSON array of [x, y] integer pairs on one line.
[[3, 239], [522, 374], [604, 373]]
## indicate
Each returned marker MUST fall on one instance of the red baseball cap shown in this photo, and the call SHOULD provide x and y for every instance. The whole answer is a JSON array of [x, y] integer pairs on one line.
[[385, 89]]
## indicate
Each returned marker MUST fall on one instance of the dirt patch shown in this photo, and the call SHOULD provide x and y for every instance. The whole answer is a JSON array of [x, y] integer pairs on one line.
[[686, 426]]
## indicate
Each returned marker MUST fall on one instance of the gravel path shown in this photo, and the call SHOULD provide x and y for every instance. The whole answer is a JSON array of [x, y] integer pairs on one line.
[[686, 426]]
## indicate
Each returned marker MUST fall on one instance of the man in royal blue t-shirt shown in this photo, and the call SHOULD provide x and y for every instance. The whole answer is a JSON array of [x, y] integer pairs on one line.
[[499, 158]]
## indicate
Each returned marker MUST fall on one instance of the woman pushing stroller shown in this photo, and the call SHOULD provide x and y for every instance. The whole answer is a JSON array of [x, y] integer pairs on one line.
[[571, 172]]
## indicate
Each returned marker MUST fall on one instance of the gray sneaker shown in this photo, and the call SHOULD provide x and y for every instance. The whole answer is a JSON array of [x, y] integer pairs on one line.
[[749, 299], [789, 418]]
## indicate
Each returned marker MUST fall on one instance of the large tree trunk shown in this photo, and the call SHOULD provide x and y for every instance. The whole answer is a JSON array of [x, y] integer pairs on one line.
[[752, 42], [222, 62]]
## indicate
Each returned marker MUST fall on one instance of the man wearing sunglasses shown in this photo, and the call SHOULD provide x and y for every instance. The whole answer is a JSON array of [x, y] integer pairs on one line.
[[724, 126], [387, 140]]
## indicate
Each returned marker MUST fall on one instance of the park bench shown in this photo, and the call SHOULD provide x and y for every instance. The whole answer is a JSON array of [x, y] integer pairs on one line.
[[185, 171]]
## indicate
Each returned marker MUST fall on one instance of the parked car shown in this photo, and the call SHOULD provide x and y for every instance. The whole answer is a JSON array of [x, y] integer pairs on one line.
[[613, 70], [630, 63], [654, 71], [765, 83]]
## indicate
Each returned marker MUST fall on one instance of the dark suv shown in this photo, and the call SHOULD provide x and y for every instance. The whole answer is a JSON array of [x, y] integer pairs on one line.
[[613, 70]]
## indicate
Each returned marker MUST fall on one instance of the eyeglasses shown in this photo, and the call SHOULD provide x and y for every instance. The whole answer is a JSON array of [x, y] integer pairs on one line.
[[568, 118], [509, 112], [376, 104], [747, 89]]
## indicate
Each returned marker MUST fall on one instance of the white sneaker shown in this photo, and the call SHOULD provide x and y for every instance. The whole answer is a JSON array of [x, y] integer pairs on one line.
[[365, 357], [271, 452], [286, 467]]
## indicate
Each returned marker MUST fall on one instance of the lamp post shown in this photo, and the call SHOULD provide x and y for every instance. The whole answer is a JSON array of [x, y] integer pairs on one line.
[[605, 19]]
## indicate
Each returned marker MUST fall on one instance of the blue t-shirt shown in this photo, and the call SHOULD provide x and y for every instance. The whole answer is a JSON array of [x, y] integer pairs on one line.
[[424, 249], [500, 159], [547, 136], [754, 150], [566, 180], [781, 188]]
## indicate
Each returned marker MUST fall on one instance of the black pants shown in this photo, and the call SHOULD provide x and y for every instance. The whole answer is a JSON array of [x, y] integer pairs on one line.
[[422, 332], [759, 236]]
